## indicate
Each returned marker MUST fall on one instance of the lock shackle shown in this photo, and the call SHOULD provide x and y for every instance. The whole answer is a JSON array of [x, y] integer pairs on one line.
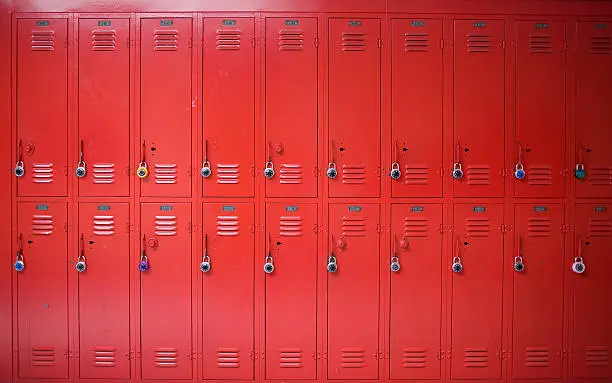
[[331, 165], [269, 259], [81, 258], [395, 166], [143, 164], [206, 164], [518, 259], [580, 166], [143, 257], [518, 166], [457, 259], [269, 165], [332, 259], [206, 151], [19, 256], [394, 259], [19, 163]]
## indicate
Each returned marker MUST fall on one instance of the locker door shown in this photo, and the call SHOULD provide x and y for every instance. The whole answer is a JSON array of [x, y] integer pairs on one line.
[[165, 291], [291, 292], [42, 306], [354, 107], [165, 106], [228, 306], [593, 113], [540, 109], [42, 106], [479, 107], [353, 292], [538, 292], [104, 291], [477, 292], [104, 106], [291, 105], [229, 106], [416, 292], [591, 332], [416, 106]]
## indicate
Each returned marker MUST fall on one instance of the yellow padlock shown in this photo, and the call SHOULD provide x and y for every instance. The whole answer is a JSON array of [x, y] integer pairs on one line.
[[142, 170]]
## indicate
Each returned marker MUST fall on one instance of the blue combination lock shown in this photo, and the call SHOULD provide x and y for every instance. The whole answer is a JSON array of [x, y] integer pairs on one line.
[[580, 173], [519, 172]]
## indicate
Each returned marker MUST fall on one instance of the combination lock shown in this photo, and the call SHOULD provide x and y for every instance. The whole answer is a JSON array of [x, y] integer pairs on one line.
[[580, 173], [331, 170], [519, 172], [269, 170], [395, 171], [457, 171], [457, 265], [19, 170], [578, 266], [142, 170], [206, 171], [519, 266]]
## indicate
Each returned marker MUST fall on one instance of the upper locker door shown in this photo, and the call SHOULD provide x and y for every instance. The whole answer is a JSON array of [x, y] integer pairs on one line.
[[591, 329], [165, 106], [476, 323], [104, 291], [42, 106], [478, 108], [228, 301], [538, 291], [42, 305], [104, 107], [291, 292], [165, 291], [354, 107], [416, 107], [229, 107], [593, 112], [291, 106], [416, 291], [540, 109], [353, 292]]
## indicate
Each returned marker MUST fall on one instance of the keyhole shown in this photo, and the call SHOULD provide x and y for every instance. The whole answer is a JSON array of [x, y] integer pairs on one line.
[[466, 243], [91, 242], [588, 150], [30, 242], [278, 243], [153, 148], [587, 243], [341, 149], [466, 150], [527, 150], [404, 149]]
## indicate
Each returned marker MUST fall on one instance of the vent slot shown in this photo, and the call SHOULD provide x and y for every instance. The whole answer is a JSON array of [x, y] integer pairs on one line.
[[43, 356], [104, 225], [540, 44], [165, 174], [291, 226], [597, 356], [104, 357], [476, 357], [601, 176], [43, 41], [353, 174], [416, 228], [416, 42], [353, 42], [166, 40], [416, 174], [353, 227], [478, 175], [600, 228], [42, 173], [165, 225], [228, 358], [415, 358], [228, 40], [537, 357], [103, 173], [291, 357], [291, 174], [42, 224], [290, 40], [103, 40], [166, 358], [539, 175], [478, 43], [352, 358], [477, 227], [539, 227], [228, 174], [601, 45], [228, 226]]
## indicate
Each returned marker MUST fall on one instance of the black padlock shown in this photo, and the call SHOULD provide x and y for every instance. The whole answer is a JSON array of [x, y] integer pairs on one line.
[[331, 170], [206, 171], [457, 265], [19, 170]]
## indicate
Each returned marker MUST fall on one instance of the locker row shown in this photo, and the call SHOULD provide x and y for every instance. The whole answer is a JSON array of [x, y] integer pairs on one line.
[[167, 106], [489, 293]]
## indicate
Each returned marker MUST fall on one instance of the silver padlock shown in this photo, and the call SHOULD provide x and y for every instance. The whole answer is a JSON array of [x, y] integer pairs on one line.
[[519, 266], [206, 171], [269, 265], [396, 173], [19, 263], [332, 264], [81, 170], [395, 265], [142, 170], [19, 170], [578, 266], [331, 170], [457, 265], [81, 265], [519, 171], [269, 170], [205, 265], [457, 171]]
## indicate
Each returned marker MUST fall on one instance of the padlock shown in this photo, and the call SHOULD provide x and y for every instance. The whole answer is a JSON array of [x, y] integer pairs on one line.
[[142, 170], [81, 265], [269, 170], [519, 171], [332, 264], [205, 265], [578, 266], [519, 266], [19, 169], [457, 171], [81, 170], [331, 170], [580, 173], [269, 265], [395, 265], [19, 263], [143, 265], [395, 171], [206, 171], [457, 265]]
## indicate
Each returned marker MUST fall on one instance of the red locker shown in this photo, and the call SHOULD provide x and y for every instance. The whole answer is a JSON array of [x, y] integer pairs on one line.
[[42, 106], [591, 332], [165, 106], [165, 291], [104, 107], [104, 290], [42, 304], [291, 106], [229, 107], [416, 291], [416, 107], [593, 112], [479, 99], [291, 292], [540, 109], [476, 322], [538, 291], [353, 292], [228, 306], [354, 107]]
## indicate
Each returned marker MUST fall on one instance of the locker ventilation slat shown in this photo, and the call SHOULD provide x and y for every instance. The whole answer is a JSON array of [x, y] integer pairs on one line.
[[540, 44], [600, 175], [228, 173], [539, 227], [597, 356], [478, 43], [353, 174], [228, 358], [416, 42], [539, 175], [353, 227], [477, 227], [600, 228], [165, 225], [42, 173], [43, 356], [291, 174], [104, 357], [478, 175], [476, 357], [416, 174], [352, 358], [43, 41], [165, 174], [415, 358], [353, 42], [601, 45], [290, 40], [290, 357], [228, 226], [42, 224], [228, 40], [537, 357], [103, 225], [291, 226], [166, 40], [416, 228], [166, 358], [103, 173], [103, 40]]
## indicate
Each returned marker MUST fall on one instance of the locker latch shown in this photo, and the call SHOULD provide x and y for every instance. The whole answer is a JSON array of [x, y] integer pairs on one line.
[[19, 262], [81, 170], [19, 170]]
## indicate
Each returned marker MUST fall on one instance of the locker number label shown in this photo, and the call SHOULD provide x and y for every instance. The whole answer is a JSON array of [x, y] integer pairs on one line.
[[103, 207], [42, 23], [228, 208], [42, 207], [480, 24], [291, 208], [541, 25], [417, 23], [600, 209], [540, 209], [292, 23], [601, 26], [354, 23], [479, 209], [229, 23], [104, 23], [166, 23], [165, 208], [354, 209], [417, 209]]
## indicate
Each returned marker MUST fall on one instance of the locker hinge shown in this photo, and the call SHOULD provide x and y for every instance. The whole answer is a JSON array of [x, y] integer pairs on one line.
[[564, 45], [190, 227], [379, 42], [439, 354], [252, 355], [321, 355], [564, 354], [190, 42], [129, 228], [66, 227], [316, 42], [127, 43], [378, 355], [379, 172], [441, 228], [448, 228], [130, 355], [315, 228], [315, 171], [503, 172], [441, 172], [253, 42], [252, 229], [447, 354], [505, 228], [567, 228], [67, 354], [503, 44], [441, 43], [500, 354], [378, 228], [193, 355], [253, 171]]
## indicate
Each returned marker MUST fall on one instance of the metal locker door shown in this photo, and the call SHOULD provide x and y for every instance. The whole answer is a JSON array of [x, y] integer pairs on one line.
[[165, 290], [291, 291], [42, 304], [104, 290], [416, 107], [42, 107], [165, 106], [479, 105], [104, 107], [476, 322], [593, 112], [354, 108], [229, 107], [228, 303], [539, 149], [291, 106], [353, 291], [538, 291], [416, 291], [591, 330]]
